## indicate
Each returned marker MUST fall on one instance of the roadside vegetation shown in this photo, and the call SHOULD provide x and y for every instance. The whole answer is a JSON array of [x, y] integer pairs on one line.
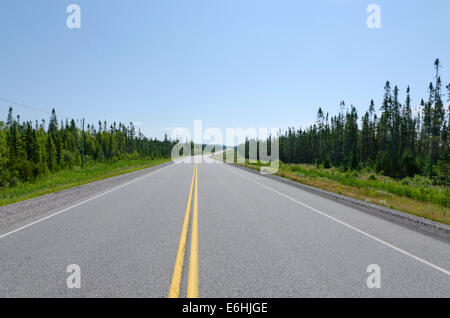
[[68, 178], [416, 195], [30, 150], [393, 139], [36, 158], [395, 155]]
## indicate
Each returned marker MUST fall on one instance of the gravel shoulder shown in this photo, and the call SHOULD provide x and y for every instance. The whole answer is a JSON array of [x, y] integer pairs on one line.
[[417, 223], [18, 212]]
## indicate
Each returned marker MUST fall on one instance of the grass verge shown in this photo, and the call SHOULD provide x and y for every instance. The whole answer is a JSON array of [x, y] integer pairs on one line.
[[65, 179], [411, 195]]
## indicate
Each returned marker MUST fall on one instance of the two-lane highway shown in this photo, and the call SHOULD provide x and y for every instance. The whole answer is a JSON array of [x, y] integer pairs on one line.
[[213, 230]]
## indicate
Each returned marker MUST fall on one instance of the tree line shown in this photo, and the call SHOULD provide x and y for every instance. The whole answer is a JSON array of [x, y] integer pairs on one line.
[[29, 150], [396, 141]]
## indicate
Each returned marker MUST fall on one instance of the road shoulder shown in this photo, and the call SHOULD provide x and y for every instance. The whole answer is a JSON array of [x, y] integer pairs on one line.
[[423, 225], [30, 209]]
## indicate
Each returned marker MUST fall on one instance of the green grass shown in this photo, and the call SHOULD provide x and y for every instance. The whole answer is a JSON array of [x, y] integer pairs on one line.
[[415, 188], [69, 178], [411, 195]]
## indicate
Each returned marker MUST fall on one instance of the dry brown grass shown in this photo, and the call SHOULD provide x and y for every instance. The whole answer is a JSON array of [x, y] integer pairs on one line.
[[423, 209]]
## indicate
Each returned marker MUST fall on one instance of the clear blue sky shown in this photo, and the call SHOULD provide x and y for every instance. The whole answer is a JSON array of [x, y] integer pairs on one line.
[[231, 63]]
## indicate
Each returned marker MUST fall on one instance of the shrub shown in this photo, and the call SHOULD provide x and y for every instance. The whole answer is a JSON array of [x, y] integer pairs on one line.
[[68, 158], [327, 162]]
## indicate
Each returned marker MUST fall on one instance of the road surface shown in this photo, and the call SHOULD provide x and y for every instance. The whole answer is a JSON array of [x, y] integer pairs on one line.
[[253, 237]]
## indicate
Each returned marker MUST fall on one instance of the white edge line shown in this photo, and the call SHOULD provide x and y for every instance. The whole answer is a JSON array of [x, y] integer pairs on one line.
[[348, 225], [80, 203]]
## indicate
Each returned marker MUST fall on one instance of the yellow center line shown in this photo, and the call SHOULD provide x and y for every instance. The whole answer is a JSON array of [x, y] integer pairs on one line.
[[174, 291], [192, 288]]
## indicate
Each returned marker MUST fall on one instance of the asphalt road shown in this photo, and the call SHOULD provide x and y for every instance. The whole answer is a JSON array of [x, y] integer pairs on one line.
[[257, 237]]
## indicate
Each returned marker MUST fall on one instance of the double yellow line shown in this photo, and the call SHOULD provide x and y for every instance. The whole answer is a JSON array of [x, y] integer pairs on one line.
[[192, 288]]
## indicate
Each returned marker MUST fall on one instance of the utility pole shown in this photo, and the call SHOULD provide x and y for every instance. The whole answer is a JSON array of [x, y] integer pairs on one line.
[[82, 146], [289, 147]]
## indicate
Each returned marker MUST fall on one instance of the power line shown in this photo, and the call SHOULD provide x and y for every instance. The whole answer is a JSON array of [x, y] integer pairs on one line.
[[23, 105], [35, 108]]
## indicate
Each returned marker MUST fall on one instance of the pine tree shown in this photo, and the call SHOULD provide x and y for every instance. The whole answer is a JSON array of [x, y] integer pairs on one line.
[[53, 123], [365, 138], [10, 120], [32, 150], [438, 116], [427, 129], [3, 157], [51, 154], [351, 138]]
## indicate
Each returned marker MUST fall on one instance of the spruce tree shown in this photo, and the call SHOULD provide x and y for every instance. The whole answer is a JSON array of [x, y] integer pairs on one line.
[[3, 157]]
